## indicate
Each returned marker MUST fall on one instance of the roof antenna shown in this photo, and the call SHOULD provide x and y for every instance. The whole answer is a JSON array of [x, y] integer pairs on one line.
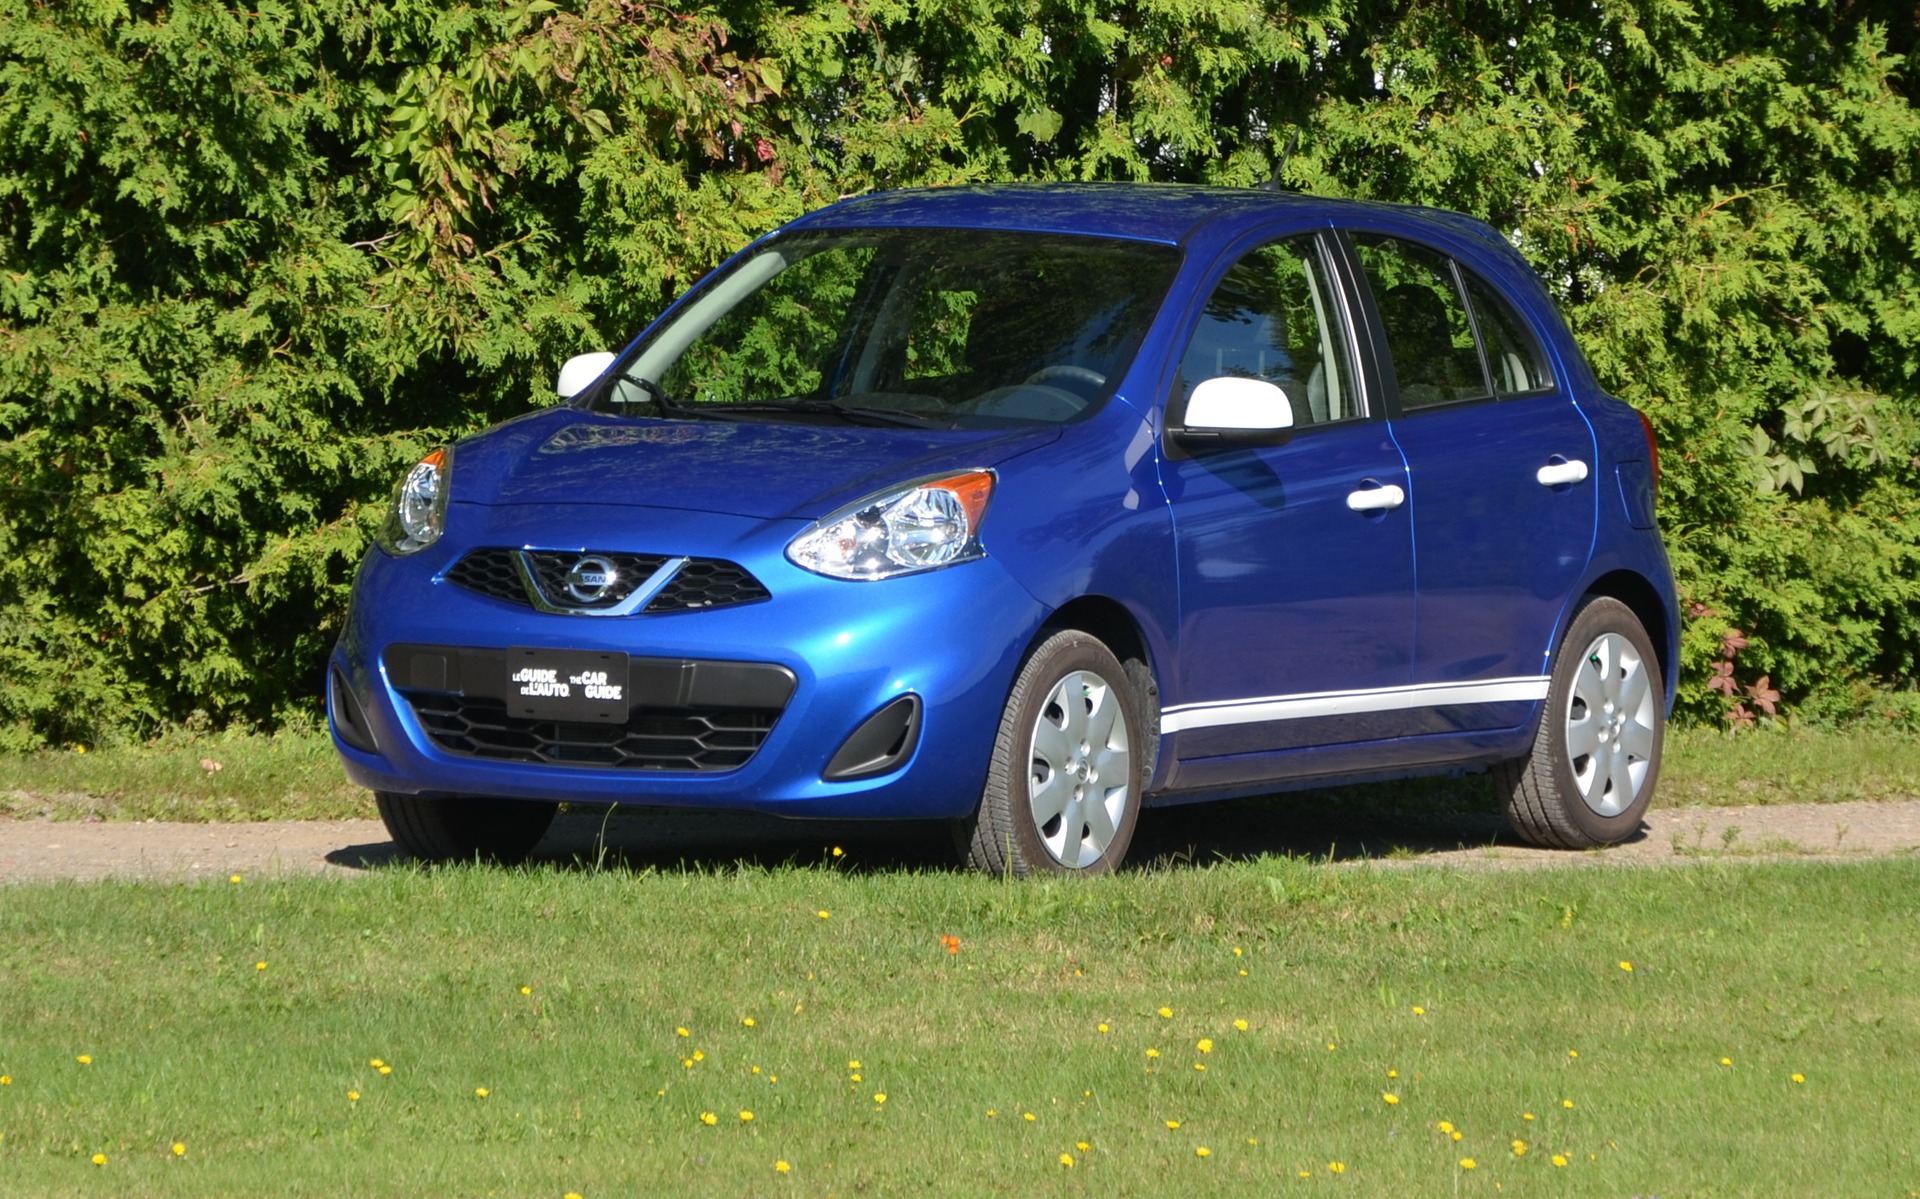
[[1293, 143]]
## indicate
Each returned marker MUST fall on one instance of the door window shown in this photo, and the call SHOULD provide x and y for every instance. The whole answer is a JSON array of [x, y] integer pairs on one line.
[[1428, 331], [1513, 357], [1273, 318]]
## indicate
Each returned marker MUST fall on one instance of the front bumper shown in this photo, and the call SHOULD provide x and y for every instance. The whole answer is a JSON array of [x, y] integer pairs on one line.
[[951, 637]]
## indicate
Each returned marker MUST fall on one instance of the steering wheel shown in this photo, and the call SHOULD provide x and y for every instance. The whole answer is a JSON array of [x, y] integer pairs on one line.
[[1067, 370]]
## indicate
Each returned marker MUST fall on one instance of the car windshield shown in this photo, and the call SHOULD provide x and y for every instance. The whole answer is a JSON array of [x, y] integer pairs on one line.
[[913, 327]]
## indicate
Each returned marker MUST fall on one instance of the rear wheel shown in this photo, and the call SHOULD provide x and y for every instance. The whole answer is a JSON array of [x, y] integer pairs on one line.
[[1063, 789], [447, 830], [1596, 756]]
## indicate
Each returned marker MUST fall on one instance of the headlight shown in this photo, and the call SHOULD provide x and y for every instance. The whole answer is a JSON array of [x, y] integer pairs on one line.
[[920, 526], [419, 512]]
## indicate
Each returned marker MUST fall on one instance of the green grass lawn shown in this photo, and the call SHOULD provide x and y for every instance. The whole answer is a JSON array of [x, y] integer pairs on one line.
[[1341, 1014], [294, 776]]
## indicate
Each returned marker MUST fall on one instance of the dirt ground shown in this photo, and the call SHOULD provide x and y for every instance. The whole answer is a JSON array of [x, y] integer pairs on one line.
[[33, 850]]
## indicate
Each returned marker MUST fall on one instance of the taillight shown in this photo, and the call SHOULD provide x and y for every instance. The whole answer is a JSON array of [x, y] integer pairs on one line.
[[1653, 451]]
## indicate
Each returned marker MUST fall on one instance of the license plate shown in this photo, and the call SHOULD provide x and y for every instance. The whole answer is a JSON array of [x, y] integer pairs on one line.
[[567, 684]]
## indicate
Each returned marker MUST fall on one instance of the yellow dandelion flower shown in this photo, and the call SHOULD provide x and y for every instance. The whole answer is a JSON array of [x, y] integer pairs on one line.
[[782, 1167], [879, 1097], [1202, 1151], [1627, 966], [699, 1056], [755, 1070], [1726, 1061], [1102, 1028], [746, 1117], [1418, 1010], [1337, 1167], [854, 1078], [571, 1195], [1573, 1053], [1236, 951], [1166, 1013], [482, 1092], [259, 965], [376, 1063], [1796, 1078], [991, 1113], [1173, 1125], [1153, 1053], [1066, 1159], [6, 1080], [838, 852], [353, 1096], [823, 914], [687, 1062], [1567, 1103], [385, 1070], [1445, 1126], [85, 1059], [1519, 1148], [1204, 1045], [1082, 1146], [681, 1032], [853, 1065], [1467, 1163], [1200, 1066], [1243, 974], [1029, 1117], [709, 1119], [526, 990], [1526, 1115], [1306, 1173], [1559, 1159], [233, 878], [1253, 1140], [1389, 1098], [1331, 1047], [1456, 1135], [1393, 1074], [99, 1159], [1241, 1025], [748, 1021], [179, 1148]]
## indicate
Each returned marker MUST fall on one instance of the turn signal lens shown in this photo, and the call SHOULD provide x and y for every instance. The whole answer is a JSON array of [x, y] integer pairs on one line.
[[921, 526], [419, 513]]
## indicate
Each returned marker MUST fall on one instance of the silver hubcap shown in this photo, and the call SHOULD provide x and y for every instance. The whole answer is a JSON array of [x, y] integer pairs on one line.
[[1611, 710], [1081, 777]]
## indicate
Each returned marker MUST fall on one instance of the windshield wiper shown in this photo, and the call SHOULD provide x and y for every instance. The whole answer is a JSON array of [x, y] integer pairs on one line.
[[853, 414], [667, 405]]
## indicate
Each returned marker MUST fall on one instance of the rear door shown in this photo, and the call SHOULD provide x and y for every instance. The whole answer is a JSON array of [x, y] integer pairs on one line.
[[1501, 464]]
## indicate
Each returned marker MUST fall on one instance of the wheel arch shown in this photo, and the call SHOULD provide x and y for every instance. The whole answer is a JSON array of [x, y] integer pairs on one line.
[[1109, 620], [1644, 600]]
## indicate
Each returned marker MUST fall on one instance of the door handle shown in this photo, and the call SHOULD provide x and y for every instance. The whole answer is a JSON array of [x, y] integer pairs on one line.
[[1376, 499], [1567, 470]]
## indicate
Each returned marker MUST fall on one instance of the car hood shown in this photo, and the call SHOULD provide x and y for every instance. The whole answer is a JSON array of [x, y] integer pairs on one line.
[[762, 470]]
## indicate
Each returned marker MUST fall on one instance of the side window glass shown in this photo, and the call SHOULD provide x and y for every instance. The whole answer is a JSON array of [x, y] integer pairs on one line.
[[1273, 318], [1513, 356], [1427, 329]]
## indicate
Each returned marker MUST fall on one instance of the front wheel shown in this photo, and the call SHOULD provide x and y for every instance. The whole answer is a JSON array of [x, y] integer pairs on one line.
[[1596, 756], [1063, 788], [447, 830]]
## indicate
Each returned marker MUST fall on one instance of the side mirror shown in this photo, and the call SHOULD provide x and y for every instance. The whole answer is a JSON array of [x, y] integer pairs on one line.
[[1236, 402], [581, 370]]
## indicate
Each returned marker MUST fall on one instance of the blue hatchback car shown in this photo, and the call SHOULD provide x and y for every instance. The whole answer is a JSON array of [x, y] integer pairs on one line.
[[1023, 508]]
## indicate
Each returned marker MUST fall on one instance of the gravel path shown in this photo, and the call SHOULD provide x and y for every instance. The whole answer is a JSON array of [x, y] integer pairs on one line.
[[34, 850]]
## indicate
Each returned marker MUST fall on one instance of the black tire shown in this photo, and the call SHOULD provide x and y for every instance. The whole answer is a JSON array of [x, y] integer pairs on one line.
[[460, 830], [1090, 831], [1595, 761]]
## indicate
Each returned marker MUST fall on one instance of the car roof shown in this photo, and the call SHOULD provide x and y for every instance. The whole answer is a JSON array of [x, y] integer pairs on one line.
[[1159, 212]]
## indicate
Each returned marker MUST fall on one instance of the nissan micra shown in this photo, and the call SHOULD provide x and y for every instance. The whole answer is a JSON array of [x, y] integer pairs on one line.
[[1023, 508]]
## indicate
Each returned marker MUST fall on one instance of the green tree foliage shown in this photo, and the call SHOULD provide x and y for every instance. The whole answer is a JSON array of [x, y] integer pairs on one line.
[[254, 260]]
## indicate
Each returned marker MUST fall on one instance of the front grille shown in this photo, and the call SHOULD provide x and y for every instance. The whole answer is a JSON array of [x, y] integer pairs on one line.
[[707, 583], [685, 739], [700, 583], [491, 573], [550, 567]]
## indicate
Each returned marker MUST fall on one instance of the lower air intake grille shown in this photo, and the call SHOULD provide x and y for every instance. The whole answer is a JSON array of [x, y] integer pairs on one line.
[[687, 739]]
